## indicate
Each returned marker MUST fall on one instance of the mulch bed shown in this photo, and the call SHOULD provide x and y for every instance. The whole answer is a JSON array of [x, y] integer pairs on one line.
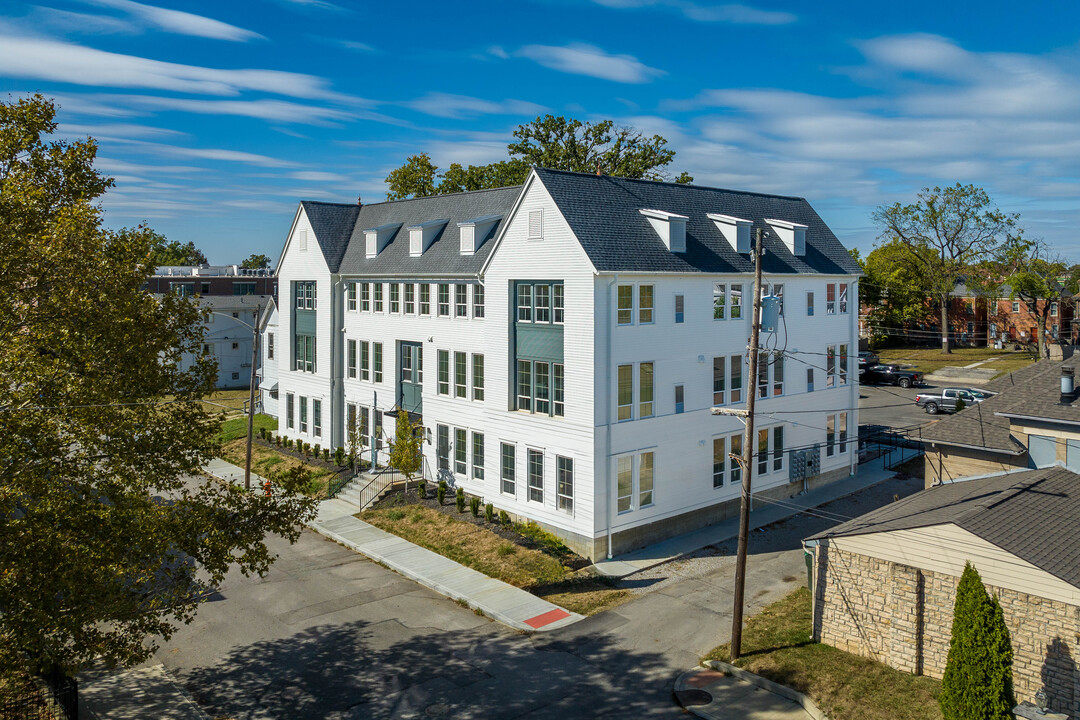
[[401, 498]]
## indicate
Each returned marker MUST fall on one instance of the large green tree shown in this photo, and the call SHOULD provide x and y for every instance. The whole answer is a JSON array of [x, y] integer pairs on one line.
[[893, 289], [108, 534], [977, 684], [174, 252], [558, 143], [256, 262], [1040, 280], [949, 230]]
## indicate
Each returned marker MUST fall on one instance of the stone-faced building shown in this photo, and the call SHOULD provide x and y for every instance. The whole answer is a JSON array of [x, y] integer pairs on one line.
[[885, 583]]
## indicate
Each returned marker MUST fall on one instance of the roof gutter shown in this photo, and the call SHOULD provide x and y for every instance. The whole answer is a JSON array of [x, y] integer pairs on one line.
[[1011, 416], [999, 451]]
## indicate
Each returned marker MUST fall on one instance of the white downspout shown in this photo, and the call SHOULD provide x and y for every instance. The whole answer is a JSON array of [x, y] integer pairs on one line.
[[607, 411], [853, 377]]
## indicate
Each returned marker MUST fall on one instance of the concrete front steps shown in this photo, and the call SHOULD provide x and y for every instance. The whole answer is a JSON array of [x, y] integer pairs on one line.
[[366, 489]]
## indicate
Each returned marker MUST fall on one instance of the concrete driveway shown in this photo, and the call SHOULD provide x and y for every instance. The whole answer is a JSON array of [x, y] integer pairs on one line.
[[892, 407], [328, 634]]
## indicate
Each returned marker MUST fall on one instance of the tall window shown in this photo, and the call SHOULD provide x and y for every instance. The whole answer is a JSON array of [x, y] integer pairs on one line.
[[352, 359], [316, 417], [645, 480], [626, 304], [536, 476], [558, 301], [734, 469], [304, 350], [410, 298], [645, 304], [763, 451], [645, 390], [365, 297], [830, 435], [477, 377], [303, 414], [444, 372], [763, 376], [508, 465], [524, 303], [625, 497], [636, 481], [778, 448], [778, 374], [558, 406], [736, 301], [542, 303], [719, 384], [830, 366], [810, 304], [425, 299], [679, 302], [378, 297], [843, 364], [719, 461], [542, 386], [564, 486], [461, 375], [809, 379], [830, 299], [736, 378], [444, 300], [461, 451], [524, 385], [626, 392], [395, 297], [269, 346], [719, 301], [365, 360], [305, 296], [377, 361], [289, 411], [843, 297], [679, 399], [478, 456], [442, 446], [352, 296], [461, 300], [478, 301], [843, 431]]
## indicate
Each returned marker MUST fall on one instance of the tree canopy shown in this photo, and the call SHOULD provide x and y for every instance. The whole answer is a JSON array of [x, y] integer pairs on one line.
[[558, 143], [256, 262], [108, 535], [166, 252], [1038, 278], [893, 288]]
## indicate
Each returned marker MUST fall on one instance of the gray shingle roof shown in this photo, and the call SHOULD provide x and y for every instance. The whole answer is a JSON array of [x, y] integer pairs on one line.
[[444, 256], [976, 426], [332, 224], [1038, 394], [603, 213], [1033, 514]]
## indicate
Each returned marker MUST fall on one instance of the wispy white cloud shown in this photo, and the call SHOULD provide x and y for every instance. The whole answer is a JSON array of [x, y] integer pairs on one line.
[[116, 165], [59, 61], [114, 130], [318, 176], [179, 22], [459, 106], [265, 109], [734, 13], [220, 154], [353, 45], [584, 59]]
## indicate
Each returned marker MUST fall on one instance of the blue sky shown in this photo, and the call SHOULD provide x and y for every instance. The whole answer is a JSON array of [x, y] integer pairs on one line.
[[216, 118]]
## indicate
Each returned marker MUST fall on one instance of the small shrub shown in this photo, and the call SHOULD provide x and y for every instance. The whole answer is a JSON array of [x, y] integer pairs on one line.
[[547, 541], [506, 549], [395, 514], [474, 505], [339, 456], [440, 492], [504, 518], [277, 441], [326, 454], [421, 489], [318, 450], [489, 512], [459, 498]]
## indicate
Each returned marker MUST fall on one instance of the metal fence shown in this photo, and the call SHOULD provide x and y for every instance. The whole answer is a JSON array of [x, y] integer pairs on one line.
[[892, 445], [54, 696]]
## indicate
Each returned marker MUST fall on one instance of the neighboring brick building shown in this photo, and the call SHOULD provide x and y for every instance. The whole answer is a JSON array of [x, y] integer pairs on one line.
[[885, 583], [212, 280]]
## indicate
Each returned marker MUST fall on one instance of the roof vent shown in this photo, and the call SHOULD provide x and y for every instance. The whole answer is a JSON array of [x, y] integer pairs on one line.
[[735, 230], [422, 235], [1068, 388], [475, 231], [377, 238], [792, 233], [671, 228]]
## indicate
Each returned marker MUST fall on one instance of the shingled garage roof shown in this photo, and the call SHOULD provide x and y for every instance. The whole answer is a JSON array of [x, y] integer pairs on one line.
[[1033, 514], [444, 256], [603, 213], [1039, 396], [332, 224], [976, 426]]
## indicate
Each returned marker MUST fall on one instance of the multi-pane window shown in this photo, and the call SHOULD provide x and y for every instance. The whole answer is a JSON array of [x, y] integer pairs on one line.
[[536, 475], [842, 431], [508, 466], [778, 448], [830, 366], [377, 361], [810, 304], [778, 374], [558, 390], [378, 296], [289, 410], [461, 300], [478, 456], [719, 461], [763, 376], [564, 483], [524, 392], [542, 386], [461, 375], [626, 392], [444, 300], [645, 304], [843, 297], [680, 404], [719, 301], [843, 364], [836, 433], [524, 303], [719, 380], [352, 296], [542, 304], [304, 350], [365, 426], [442, 446], [763, 451], [478, 301], [626, 304], [410, 298], [1016, 306], [444, 372], [736, 303], [316, 417], [352, 359], [269, 346], [245, 288], [461, 451], [1053, 309], [645, 390], [303, 414], [477, 377], [679, 304], [830, 435], [635, 472], [365, 297], [558, 302], [395, 297], [425, 299], [736, 378], [645, 479], [365, 360], [830, 299], [625, 496], [734, 468], [305, 296]]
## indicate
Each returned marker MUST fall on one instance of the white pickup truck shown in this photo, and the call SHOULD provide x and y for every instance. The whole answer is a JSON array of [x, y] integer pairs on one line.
[[950, 398]]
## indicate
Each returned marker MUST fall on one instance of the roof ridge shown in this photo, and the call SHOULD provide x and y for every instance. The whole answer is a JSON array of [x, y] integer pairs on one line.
[[671, 182], [444, 195]]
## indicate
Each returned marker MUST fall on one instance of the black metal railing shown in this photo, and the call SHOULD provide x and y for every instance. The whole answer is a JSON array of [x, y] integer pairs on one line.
[[894, 445], [53, 696]]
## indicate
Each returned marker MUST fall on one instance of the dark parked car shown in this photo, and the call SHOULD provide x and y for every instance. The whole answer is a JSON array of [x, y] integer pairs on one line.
[[866, 359], [890, 375]]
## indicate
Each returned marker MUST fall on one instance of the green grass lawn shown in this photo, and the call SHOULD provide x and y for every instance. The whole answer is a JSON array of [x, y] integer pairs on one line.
[[777, 644], [237, 427], [269, 462], [927, 360]]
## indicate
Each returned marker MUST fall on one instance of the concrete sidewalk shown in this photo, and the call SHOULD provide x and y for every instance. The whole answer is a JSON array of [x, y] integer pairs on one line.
[[716, 695], [498, 600], [763, 513], [136, 694], [231, 473]]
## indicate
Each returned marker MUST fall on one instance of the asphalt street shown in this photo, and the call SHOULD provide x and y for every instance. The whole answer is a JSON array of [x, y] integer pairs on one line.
[[892, 407], [329, 634]]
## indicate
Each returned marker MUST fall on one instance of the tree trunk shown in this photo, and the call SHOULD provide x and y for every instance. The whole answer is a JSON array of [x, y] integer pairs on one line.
[[945, 324], [1042, 329]]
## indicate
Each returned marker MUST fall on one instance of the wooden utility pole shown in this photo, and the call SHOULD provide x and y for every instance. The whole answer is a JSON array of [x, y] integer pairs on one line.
[[747, 459], [251, 397]]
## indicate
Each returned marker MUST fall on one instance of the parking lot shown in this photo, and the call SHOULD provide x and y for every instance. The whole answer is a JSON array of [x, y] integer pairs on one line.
[[892, 407]]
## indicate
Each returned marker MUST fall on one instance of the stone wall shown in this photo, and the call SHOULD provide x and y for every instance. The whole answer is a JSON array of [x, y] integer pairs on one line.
[[902, 616]]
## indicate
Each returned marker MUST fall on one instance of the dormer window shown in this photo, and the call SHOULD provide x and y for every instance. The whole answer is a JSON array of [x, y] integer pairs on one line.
[[671, 227], [792, 233], [377, 238], [421, 236], [475, 231], [735, 230]]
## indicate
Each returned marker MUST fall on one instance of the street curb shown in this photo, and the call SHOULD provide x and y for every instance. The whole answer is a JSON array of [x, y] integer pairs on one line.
[[488, 612], [776, 688]]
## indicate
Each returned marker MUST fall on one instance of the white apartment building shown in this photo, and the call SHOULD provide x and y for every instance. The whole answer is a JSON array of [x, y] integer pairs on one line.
[[562, 344]]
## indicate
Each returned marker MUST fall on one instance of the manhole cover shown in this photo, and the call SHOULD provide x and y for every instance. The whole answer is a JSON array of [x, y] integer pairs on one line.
[[437, 710], [693, 696]]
